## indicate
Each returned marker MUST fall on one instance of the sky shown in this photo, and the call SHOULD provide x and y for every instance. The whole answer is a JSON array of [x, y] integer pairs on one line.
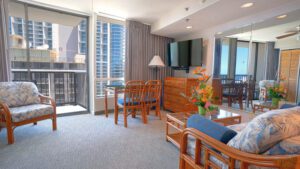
[[241, 60]]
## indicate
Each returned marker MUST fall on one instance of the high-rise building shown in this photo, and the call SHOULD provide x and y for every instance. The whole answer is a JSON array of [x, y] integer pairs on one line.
[[110, 54], [82, 37], [39, 33], [117, 50]]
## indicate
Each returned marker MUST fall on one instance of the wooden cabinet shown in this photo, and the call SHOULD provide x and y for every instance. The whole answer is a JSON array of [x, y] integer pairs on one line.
[[172, 98], [289, 68]]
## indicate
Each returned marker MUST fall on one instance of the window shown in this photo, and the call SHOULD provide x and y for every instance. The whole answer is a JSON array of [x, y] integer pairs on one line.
[[242, 58], [110, 54], [224, 57]]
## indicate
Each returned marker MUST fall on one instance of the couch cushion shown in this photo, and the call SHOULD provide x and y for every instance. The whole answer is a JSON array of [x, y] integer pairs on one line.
[[30, 111], [237, 127], [210, 128], [290, 146], [18, 93], [267, 129]]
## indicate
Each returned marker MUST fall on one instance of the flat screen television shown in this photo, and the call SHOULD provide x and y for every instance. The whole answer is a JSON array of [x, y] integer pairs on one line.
[[184, 54]]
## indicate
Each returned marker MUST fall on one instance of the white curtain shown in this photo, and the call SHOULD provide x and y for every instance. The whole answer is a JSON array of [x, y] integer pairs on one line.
[[5, 72]]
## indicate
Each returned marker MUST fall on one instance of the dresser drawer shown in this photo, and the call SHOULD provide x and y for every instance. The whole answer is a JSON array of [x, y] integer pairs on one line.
[[173, 90], [176, 83]]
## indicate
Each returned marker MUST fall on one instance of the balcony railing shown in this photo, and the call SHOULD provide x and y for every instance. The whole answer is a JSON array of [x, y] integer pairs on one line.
[[237, 77], [64, 87]]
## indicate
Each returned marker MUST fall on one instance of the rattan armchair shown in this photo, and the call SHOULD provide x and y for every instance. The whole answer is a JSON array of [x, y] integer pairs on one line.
[[206, 147], [21, 104]]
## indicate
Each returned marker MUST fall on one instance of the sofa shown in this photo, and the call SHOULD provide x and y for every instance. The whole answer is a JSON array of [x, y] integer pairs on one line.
[[270, 140], [21, 104]]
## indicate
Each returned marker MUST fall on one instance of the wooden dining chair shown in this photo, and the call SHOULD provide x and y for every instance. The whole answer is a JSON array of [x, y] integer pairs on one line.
[[234, 93], [152, 96], [132, 101]]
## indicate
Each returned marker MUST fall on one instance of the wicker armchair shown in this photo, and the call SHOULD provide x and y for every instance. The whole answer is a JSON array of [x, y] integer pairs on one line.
[[21, 104]]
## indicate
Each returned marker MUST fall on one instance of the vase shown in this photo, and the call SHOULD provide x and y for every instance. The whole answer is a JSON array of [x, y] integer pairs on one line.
[[201, 110], [275, 101]]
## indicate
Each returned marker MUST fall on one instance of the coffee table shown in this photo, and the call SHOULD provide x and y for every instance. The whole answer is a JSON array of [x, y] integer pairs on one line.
[[263, 105], [176, 123]]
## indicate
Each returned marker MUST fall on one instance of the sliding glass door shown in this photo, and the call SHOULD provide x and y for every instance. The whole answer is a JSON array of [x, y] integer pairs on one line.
[[49, 48]]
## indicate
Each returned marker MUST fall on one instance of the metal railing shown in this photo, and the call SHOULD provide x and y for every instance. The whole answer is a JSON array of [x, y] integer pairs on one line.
[[242, 77], [64, 87]]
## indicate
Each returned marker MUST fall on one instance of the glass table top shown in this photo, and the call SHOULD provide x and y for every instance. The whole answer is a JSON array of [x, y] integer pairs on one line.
[[221, 114]]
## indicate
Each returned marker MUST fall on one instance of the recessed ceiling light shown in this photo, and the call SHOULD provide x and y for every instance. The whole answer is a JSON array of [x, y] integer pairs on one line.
[[281, 16], [189, 27], [219, 33], [247, 5]]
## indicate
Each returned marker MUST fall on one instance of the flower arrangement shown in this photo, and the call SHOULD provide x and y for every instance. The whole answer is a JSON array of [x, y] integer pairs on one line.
[[277, 92], [202, 94]]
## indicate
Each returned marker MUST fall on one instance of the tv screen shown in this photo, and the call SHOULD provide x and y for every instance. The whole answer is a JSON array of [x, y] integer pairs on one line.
[[179, 54], [196, 52], [185, 53]]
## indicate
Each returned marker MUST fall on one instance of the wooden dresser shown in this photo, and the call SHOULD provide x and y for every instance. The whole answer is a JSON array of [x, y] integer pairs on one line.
[[172, 98]]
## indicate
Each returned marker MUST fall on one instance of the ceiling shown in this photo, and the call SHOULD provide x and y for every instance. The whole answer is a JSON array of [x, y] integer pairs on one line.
[[219, 13], [266, 30], [268, 33], [168, 17]]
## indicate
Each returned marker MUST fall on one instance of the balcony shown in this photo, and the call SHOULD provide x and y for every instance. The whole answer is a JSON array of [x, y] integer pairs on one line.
[[67, 88]]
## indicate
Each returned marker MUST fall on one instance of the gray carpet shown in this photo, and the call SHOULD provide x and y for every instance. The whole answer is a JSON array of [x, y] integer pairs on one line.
[[89, 142]]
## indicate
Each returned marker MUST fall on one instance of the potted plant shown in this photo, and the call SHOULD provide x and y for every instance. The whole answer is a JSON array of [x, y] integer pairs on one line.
[[202, 93], [277, 92]]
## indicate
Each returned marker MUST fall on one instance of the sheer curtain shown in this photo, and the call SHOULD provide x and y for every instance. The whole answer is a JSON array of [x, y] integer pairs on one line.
[[141, 46], [5, 73]]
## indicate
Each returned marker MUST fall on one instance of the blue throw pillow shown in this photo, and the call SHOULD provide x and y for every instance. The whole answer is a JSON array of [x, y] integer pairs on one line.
[[211, 128], [287, 106]]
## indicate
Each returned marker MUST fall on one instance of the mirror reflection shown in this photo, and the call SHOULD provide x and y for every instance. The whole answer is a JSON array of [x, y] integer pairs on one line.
[[249, 60]]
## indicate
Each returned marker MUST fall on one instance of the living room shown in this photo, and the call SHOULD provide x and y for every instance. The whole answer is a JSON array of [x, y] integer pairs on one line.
[[150, 84]]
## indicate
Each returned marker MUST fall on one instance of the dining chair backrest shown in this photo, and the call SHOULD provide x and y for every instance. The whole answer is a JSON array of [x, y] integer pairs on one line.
[[250, 89], [152, 91], [234, 89], [133, 93]]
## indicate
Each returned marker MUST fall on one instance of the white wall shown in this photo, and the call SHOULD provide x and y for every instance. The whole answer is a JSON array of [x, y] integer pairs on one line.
[[100, 106]]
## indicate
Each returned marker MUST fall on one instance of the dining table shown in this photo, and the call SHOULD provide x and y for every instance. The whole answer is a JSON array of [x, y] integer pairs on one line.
[[114, 89]]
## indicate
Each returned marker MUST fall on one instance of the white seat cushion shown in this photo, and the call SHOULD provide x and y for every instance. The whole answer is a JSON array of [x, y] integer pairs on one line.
[[30, 111]]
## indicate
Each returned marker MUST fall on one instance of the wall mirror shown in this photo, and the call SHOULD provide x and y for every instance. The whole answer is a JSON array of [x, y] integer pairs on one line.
[[266, 50]]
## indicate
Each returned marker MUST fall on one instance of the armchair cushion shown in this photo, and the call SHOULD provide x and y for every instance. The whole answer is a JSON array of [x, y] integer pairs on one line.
[[30, 111], [18, 93]]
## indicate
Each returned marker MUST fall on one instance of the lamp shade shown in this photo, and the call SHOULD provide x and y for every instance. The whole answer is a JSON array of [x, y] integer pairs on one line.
[[156, 61]]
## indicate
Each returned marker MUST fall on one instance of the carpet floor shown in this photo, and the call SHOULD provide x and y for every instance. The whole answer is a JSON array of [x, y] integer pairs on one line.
[[90, 142]]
